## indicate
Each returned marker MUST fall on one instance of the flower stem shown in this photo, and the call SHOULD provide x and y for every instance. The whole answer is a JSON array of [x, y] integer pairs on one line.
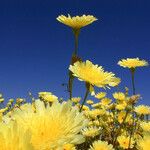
[[70, 84], [133, 81], [86, 95], [76, 35]]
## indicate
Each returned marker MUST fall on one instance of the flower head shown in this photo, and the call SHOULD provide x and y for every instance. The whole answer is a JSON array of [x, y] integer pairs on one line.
[[91, 131], [92, 74], [119, 96], [100, 95], [124, 141], [76, 22], [13, 137], [53, 126], [132, 63], [143, 143], [101, 145], [142, 109]]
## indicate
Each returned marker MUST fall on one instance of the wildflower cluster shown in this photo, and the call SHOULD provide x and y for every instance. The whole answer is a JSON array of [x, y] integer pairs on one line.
[[99, 123]]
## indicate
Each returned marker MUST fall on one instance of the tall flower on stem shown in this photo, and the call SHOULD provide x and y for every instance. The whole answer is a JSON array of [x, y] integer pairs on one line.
[[132, 64], [76, 23], [92, 75]]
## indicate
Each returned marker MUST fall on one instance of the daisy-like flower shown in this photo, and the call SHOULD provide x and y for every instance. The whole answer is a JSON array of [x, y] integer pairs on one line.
[[96, 112], [119, 96], [69, 147], [91, 131], [12, 137], [101, 145], [48, 97], [132, 63], [90, 102], [92, 74], [100, 95], [53, 126], [121, 106], [76, 99], [143, 143], [76, 22], [105, 101], [124, 141], [142, 110], [145, 126]]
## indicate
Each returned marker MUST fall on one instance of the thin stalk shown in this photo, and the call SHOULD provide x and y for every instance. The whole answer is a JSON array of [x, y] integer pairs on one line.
[[85, 97], [133, 81], [70, 84], [76, 37]]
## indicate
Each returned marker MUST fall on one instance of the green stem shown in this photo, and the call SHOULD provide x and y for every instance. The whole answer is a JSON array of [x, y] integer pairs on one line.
[[70, 84], [133, 81], [85, 97], [76, 36]]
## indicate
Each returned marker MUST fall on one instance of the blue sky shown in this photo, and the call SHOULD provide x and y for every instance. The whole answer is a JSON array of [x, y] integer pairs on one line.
[[35, 49]]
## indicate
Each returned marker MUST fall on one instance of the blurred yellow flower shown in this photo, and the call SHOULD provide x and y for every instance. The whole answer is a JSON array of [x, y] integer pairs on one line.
[[92, 74], [143, 143], [91, 131], [76, 22], [76, 99], [132, 63], [100, 95], [51, 126], [101, 145], [48, 97], [12, 137], [121, 106], [105, 101], [124, 142], [119, 96], [145, 126], [69, 147], [90, 102], [142, 110]]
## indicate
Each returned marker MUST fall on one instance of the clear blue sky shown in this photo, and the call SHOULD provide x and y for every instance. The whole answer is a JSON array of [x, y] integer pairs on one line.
[[35, 49]]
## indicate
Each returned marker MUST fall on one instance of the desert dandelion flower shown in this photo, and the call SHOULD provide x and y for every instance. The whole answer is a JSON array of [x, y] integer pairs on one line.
[[53, 126], [92, 75], [76, 22], [101, 145], [13, 137], [132, 63]]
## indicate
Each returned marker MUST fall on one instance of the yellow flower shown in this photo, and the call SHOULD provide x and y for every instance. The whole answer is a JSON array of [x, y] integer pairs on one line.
[[119, 96], [48, 97], [91, 131], [1, 100], [121, 106], [143, 144], [97, 105], [14, 138], [76, 99], [142, 110], [100, 95], [132, 63], [105, 101], [90, 102], [69, 147], [76, 22], [85, 108], [145, 126], [53, 126], [124, 141], [101, 145], [96, 112], [92, 74]]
